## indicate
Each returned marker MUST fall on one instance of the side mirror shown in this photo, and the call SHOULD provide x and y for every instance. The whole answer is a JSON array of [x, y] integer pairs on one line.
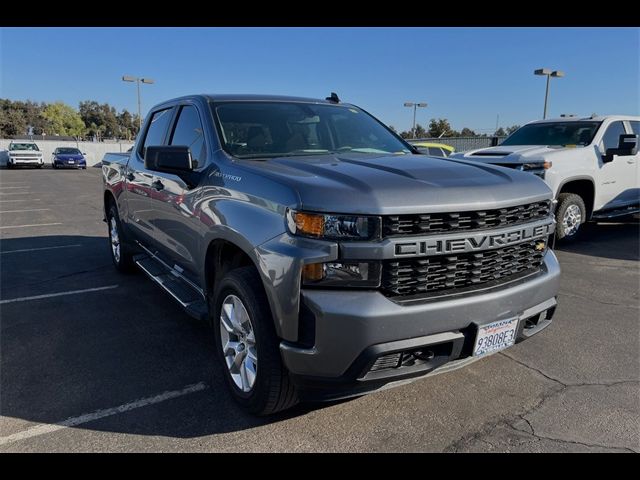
[[627, 145], [84, 154], [168, 158]]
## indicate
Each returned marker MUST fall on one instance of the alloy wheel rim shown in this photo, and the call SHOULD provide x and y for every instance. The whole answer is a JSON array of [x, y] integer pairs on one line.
[[572, 219], [238, 343], [115, 239]]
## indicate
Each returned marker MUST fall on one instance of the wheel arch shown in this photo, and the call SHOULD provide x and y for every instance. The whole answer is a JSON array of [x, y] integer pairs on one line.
[[584, 187]]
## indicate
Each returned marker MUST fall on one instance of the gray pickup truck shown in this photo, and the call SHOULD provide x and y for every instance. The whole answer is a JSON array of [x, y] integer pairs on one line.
[[329, 256]]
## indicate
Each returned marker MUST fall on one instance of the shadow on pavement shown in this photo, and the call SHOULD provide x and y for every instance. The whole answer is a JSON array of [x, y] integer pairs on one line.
[[614, 240], [66, 356]]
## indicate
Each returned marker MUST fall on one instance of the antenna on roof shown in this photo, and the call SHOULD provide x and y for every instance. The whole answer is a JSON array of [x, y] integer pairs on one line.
[[333, 98]]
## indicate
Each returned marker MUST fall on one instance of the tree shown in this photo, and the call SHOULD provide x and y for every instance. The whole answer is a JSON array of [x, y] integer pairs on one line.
[[440, 127], [127, 125], [467, 132], [392, 128], [500, 132], [12, 121], [101, 119], [512, 129], [63, 120], [420, 131]]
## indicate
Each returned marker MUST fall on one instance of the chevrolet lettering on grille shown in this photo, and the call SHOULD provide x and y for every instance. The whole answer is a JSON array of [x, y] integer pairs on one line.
[[444, 244]]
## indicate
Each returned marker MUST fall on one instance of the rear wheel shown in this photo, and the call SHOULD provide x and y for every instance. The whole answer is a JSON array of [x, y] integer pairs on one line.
[[120, 253], [570, 216], [247, 345]]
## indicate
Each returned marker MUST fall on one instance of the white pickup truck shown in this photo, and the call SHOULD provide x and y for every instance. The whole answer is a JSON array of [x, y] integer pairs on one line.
[[591, 164]]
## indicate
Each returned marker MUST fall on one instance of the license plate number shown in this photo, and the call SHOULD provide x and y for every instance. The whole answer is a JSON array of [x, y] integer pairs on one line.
[[71, 161], [495, 336]]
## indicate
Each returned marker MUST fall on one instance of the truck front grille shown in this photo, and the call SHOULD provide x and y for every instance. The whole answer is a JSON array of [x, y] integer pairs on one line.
[[423, 224], [450, 273]]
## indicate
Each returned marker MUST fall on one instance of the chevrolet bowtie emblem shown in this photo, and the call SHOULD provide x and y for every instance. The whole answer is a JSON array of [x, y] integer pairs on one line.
[[540, 246]]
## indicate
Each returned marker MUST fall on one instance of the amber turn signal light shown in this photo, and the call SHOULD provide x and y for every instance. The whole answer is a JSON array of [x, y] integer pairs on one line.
[[309, 224], [312, 272]]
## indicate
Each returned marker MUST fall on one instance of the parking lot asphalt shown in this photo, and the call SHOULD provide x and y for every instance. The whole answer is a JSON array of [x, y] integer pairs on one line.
[[96, 361]]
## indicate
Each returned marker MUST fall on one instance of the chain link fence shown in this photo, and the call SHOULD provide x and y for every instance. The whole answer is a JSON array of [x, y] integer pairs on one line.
[[462, 144]]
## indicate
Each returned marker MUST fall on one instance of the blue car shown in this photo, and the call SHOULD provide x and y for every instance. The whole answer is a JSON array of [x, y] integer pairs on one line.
[[67, 157]]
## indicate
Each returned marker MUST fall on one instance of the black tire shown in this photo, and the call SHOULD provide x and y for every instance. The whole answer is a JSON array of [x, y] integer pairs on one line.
[[566, 234], [125, 263], [272, 390], [9, 166]]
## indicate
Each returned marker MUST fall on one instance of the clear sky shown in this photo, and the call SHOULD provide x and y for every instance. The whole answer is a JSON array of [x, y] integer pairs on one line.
[[468, 75]]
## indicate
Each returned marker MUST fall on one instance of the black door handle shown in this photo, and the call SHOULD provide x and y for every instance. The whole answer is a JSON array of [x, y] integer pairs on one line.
[[157, 185], [130, 176]]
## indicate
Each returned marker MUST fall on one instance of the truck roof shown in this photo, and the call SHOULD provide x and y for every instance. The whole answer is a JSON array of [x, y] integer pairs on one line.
[[226, 97], [597, 118]]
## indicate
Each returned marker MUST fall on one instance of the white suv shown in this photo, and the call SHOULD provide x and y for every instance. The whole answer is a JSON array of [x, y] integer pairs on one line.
[[24, 152], [591, 164]]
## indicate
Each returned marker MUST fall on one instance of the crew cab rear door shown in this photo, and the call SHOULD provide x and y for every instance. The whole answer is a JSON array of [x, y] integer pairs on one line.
[[174, 197], [139, 178]]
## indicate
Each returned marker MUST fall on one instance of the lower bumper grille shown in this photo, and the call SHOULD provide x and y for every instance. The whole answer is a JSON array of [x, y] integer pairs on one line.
[[448, 273]]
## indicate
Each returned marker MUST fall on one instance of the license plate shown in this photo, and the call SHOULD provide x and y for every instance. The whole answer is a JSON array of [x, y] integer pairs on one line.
[[70, 161], [495, 336]]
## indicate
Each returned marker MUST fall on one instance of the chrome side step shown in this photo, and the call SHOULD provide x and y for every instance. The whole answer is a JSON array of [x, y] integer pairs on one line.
[[188, 297]]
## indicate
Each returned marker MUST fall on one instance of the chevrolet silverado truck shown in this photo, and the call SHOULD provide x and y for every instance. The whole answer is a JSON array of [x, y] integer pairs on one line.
[[591, 164], [330, 257], [24, 152]]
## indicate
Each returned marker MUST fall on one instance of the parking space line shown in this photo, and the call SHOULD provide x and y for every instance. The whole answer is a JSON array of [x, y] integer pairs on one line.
[[98, 414], [21, 200], [38, 249], [7, 188], [28, 210], [33, 225], [58, 294], [14, 193]]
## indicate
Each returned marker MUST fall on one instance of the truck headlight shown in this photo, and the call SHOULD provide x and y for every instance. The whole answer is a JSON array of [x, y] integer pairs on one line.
[[342, 274], [333, 227]]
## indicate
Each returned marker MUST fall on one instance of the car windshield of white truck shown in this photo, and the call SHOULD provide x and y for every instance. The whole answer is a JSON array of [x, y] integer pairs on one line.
[[276, 129], [24, 146], [554, 133], [67, 151]]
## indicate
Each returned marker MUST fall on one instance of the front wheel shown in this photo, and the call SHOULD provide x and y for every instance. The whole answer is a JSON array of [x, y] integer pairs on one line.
[[247, 345], [570, 215]]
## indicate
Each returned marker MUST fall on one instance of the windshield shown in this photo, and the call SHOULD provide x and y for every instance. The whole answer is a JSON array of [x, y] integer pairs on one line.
[[67, 151], [274, 129], [554, 133], [24, 146]]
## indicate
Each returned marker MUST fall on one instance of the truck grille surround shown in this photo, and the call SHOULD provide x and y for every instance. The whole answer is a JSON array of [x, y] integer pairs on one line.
[[450, 222], [450, 273], [464, 272]]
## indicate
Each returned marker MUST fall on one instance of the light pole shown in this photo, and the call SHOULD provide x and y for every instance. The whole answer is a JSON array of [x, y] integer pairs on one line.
[[415, 106], [548, 73], [126, 78]]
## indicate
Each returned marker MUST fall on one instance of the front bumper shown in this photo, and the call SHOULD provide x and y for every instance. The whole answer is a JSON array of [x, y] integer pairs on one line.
[[352, 328], [65, 164], [25, 161]]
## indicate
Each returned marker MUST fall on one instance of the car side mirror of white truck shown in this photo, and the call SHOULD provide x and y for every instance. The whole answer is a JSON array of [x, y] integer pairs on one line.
[[627, 145]]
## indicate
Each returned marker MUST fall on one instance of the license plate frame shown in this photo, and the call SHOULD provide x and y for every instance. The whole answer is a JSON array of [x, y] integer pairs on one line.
[[495, 336]]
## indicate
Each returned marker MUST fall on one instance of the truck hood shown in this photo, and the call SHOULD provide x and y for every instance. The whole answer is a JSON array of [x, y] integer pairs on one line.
[[393, 184], [514, 154]]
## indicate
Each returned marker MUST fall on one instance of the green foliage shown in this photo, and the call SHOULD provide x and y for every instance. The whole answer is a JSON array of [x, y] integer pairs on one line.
[[500, 132], [512, 129], [467, 132], [440, 127], [63, 120]]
